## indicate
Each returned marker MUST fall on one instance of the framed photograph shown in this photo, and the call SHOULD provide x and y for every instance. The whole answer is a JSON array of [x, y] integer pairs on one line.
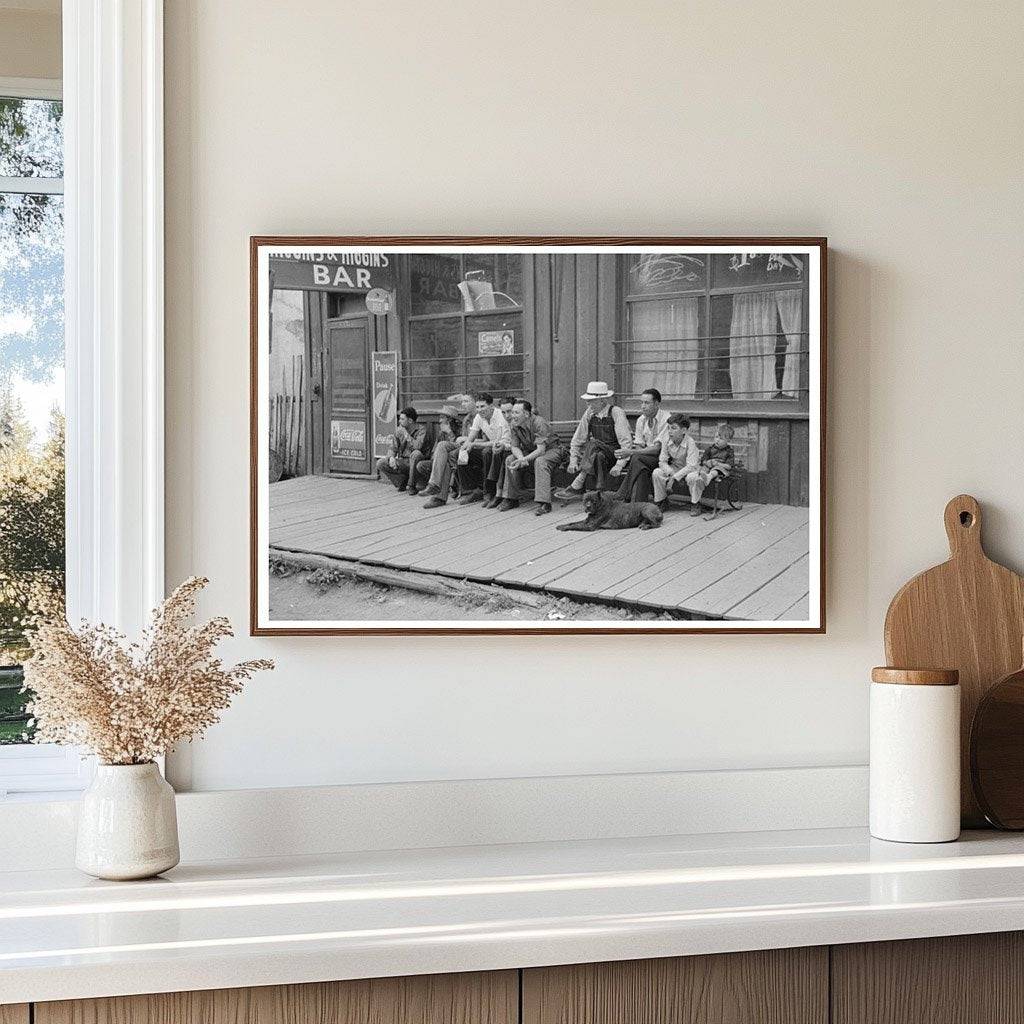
[[537, 435]]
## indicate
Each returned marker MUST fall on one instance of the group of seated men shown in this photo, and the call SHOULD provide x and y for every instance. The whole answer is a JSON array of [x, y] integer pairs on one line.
[[502, 453]]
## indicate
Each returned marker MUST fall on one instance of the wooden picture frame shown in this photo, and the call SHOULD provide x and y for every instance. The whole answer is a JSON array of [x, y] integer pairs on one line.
[[415, 311]]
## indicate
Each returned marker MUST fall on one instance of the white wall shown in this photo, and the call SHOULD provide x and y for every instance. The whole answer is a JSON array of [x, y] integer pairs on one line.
[[894, 129]]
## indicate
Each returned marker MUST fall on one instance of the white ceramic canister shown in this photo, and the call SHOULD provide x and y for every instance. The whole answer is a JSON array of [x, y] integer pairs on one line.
[[915, 755], [127, 825]]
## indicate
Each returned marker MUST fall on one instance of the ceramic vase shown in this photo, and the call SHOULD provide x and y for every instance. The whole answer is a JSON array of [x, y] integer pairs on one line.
[[127, 825]]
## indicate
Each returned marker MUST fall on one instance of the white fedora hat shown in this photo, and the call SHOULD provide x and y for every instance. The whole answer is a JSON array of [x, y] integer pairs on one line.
[[597, 389]]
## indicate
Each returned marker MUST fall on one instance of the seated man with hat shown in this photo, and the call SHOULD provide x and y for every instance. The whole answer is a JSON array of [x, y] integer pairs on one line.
[[457, 416], [602, 431]]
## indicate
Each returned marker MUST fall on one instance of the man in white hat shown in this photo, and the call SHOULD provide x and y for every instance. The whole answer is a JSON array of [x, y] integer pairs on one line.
[[602, 431]]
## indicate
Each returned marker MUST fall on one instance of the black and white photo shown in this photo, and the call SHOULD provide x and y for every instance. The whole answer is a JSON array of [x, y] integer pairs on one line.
[[537, 435]]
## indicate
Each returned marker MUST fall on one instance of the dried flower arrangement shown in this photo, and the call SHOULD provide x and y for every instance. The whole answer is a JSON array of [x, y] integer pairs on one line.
[[130, 703]]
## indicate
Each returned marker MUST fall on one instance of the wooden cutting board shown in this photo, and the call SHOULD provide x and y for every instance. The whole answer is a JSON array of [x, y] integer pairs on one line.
[[967, 614]]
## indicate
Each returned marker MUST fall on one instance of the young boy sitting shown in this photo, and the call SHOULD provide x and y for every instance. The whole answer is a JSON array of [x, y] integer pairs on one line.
[[679, 457], [717, 461]]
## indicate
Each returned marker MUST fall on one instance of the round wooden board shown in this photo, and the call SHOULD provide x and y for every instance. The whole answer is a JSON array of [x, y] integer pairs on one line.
[[968, 614], [997, 752]]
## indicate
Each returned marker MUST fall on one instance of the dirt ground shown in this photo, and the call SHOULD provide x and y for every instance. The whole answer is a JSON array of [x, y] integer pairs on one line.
[[299, 593]]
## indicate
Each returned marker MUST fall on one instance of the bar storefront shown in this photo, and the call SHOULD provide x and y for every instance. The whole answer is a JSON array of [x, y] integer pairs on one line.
[[355, 336]]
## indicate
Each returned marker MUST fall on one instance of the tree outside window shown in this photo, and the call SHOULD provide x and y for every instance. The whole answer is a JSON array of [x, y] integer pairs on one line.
[[31, 386]]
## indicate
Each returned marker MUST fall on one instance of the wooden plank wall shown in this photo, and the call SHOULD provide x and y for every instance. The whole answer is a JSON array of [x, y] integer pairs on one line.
[[580, 292], [773, 453]]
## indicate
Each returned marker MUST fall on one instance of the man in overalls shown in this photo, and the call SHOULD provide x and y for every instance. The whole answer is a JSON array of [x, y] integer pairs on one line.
[[602, 431]]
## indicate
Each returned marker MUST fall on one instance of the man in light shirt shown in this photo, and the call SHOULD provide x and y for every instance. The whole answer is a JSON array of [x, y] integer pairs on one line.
[[636, 464], [481, 455]]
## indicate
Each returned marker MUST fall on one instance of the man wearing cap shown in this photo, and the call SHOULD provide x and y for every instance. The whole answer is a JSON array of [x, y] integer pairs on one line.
[[457, 417], [602, 431]]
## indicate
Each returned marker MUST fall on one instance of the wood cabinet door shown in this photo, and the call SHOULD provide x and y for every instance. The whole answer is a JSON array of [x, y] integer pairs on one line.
[[778, 986], [479, 998], [14, 1013], [960, 979]]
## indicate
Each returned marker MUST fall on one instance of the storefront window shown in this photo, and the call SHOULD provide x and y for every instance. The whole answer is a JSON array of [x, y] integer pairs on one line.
[[434, 284], [758, 345], [494, 353], [495, 280], [718, 383], [655, 273], [734, 338], [738, 270], [432, 370], [480, 348], [666, 345]]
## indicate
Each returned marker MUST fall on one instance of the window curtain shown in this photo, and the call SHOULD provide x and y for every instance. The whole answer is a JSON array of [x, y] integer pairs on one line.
[[791, 314], [752, 345], [666, 346]]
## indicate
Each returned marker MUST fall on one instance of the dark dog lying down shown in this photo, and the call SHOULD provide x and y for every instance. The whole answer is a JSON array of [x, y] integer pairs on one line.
[[607, 513]]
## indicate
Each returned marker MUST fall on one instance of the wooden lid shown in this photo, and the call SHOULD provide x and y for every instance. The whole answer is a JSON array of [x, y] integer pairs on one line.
[[916, 676]]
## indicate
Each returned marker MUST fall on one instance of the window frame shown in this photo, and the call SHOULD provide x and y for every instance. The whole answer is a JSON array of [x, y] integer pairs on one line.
[[702, 402], [460, 377], [112, 88], [48, 89]]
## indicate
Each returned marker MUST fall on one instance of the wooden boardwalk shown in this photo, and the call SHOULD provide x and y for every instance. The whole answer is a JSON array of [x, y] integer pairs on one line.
[[750, 564]]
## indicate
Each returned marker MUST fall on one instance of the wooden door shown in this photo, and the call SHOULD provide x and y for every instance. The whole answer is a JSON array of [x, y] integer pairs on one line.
[[774, 986], [14, 1013], [479, 998], [348, 424]]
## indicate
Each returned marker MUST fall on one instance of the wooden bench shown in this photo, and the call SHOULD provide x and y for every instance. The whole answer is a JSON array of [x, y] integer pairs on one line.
[[722, 488]]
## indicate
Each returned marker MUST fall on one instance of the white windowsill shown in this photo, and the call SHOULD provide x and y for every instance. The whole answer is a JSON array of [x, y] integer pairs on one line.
[[43, 771]]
